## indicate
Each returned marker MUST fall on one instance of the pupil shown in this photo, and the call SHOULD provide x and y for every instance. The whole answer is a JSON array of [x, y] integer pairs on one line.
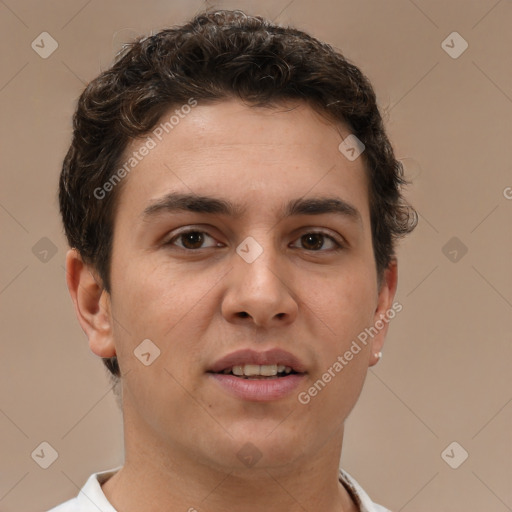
[[313, 236], [194, 238]]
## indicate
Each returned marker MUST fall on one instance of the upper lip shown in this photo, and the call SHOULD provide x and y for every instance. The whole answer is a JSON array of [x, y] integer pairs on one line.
[[268, 357]]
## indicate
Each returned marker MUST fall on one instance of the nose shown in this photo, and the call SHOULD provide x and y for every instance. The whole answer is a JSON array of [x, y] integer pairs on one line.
[[260, 292]]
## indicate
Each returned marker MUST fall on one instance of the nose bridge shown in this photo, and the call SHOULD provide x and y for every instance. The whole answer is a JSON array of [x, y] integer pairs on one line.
[[258, 287], [258, 262]]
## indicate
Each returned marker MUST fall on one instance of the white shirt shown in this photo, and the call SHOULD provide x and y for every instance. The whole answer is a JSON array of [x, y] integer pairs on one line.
[[91, 497]]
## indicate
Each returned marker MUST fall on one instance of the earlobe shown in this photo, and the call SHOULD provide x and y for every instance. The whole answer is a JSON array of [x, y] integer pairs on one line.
[[92, 304], [382, 315]]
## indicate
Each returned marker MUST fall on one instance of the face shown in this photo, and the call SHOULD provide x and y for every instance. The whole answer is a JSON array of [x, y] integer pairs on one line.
[[273, 267]]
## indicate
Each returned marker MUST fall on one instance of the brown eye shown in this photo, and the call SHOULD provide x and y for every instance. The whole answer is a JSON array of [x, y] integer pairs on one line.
[[192, 239], [314, 241]]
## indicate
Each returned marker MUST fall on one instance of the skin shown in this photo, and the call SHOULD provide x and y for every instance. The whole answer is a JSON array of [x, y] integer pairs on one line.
[[183, 431]]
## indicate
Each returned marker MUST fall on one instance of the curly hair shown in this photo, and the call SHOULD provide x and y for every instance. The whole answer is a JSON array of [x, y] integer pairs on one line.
[[218, 56]]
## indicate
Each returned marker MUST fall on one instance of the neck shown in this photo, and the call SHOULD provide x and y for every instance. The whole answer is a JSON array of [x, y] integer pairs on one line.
[[170, 476]]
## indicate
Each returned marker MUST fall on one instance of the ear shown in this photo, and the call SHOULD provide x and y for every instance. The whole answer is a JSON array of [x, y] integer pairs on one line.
[[382, 315], [92, 304]]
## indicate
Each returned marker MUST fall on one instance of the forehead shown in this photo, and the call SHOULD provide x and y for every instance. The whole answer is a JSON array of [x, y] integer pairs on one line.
[[260, 155], [231, 124]]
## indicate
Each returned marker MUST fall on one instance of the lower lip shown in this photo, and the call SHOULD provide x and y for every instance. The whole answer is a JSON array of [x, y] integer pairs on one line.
[[259, 390]]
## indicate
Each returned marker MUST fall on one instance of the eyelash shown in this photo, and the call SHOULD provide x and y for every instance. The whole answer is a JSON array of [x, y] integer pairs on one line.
[[338, 245]]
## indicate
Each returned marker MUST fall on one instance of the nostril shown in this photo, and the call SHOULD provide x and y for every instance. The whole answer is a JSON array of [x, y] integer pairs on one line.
[[243, 314]]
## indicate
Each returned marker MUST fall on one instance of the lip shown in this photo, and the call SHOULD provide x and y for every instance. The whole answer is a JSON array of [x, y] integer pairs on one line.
[[248, 356], [258, 390]]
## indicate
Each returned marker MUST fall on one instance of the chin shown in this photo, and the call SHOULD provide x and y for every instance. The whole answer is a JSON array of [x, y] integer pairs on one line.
[[271, 444]]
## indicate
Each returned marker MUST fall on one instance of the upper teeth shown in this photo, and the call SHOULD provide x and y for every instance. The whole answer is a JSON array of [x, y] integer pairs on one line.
[[266, 370]]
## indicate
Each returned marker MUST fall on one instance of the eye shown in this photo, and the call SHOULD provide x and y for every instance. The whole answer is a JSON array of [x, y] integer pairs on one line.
[[192, 239], [314, 240]]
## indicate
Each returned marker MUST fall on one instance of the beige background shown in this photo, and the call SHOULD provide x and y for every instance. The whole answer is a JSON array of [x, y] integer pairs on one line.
[[445, 375]]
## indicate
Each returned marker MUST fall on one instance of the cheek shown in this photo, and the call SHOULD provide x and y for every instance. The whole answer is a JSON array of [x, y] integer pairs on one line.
[[341, 312], [161, 303], [341, 305], [157, 293]]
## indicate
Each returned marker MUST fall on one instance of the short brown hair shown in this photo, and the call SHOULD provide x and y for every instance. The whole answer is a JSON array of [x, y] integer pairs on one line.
[[218, 56]]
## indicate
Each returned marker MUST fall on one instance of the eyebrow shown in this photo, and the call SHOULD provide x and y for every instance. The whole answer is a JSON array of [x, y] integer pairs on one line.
[[177, 202]]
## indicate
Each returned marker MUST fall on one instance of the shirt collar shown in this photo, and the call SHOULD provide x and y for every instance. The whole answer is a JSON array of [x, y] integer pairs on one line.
[[92, 493], [358, 494]]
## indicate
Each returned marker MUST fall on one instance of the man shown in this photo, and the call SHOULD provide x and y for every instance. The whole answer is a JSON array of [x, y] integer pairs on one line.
[[232, 203]]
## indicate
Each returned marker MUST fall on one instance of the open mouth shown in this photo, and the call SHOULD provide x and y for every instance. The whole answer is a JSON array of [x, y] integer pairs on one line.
[[259, 376], [258, 372]]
